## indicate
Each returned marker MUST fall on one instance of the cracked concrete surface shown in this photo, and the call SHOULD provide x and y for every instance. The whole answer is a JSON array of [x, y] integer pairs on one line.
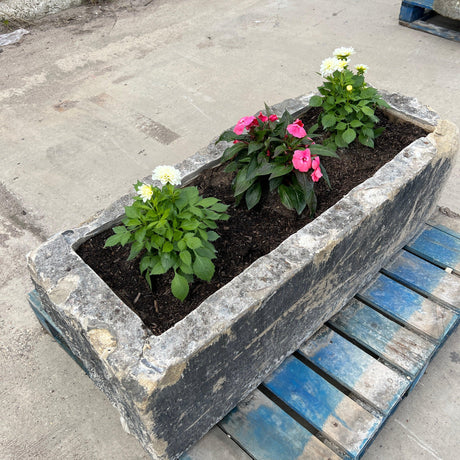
[[92, 102]]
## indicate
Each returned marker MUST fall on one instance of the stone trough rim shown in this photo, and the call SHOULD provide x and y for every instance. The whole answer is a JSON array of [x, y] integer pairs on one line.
[[152, 355]]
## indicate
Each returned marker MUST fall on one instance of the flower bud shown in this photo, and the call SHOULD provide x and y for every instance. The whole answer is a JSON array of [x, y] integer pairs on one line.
[[349, 88]]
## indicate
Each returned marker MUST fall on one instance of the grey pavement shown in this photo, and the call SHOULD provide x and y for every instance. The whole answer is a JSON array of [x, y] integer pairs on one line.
[[96, 97]]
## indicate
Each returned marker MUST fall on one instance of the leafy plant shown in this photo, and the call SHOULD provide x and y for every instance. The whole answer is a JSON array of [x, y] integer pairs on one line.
[[173, 229], [348, 103], [274, 154]]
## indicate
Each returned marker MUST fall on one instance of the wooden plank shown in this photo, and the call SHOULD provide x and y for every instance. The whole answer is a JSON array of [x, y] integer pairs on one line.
[[437, 247], [412, 309], [353, 368], [326, 408], [385, 338], [215, 444], [444, 229], [433, 29], [428, 4], [425, 278], [266, 432]]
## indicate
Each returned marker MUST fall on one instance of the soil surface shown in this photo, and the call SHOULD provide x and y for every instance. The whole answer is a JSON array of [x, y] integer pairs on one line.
[[246, 236]]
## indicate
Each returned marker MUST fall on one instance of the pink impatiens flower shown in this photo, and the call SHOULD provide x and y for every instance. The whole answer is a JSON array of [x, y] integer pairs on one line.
[[262, 117], [273, 117], [302, 160], [316, 174], [245, 122], [296, 129]]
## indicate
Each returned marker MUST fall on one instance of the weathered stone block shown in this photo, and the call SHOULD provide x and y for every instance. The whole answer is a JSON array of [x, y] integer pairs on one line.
[[170, 389]]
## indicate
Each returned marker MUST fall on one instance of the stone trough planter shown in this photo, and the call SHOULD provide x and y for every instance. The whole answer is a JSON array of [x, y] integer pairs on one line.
[[170, 389]]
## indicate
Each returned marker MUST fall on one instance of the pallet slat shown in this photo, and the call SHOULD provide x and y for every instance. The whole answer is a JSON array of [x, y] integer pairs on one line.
[[412, 309], [445, 229], [437, 247], [268, 433], [323, 406], [397, 345], [426, 278], [215, 444], [353, 368]]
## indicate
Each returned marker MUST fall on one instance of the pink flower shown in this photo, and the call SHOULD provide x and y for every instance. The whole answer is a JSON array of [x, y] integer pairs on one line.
[[316, 175], [262, 117], [273, 117], [245, 122], [315, 163], [302, 160], [296, 129]]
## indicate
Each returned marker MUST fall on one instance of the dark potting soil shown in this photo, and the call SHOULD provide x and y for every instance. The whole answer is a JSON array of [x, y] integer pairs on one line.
[[246, 236]]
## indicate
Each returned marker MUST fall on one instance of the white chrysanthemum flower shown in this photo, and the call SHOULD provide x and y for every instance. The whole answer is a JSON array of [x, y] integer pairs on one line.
[[167, 174], [343, 52], [341, 65], [362, 68], [145, 192], [329, 66]]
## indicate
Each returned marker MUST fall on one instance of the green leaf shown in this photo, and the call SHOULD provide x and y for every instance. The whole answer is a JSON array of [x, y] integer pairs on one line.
[[113, 240], [349, 135], [231, 167], [132, 212], [203, 268], [242, 183], [328, 120], [193, 243], [167, 260], [186, 257], [275, 183], [158, 269], [253, 195], [367, 111], [368, 132], [220, 207], [316, 101], [179, 287], [233, 151], [254, 147], [167, 247], [281, 170], [323, 151], [325, 176], [125, 237], [356, 124], [207, 202], [140, 234], [190, 224], [136, 248], [341, 126], [120, 229], [339, 142], [182, 245], [206, 252], [292, 197], [213, 236], [147, 261], [367, 141]]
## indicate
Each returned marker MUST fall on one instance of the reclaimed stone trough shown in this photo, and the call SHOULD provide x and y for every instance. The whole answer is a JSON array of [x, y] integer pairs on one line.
[[170, 389]]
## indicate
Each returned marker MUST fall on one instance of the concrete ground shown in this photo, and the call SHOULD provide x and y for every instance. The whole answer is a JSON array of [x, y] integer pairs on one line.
[[93, 99]]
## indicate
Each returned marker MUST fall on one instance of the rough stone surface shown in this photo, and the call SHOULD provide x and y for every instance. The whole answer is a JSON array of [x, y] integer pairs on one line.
[[185, 380], [448, 8], [30, 9]]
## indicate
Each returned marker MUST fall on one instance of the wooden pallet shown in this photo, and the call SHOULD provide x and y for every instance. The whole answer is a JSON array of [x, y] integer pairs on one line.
[[417, 13], [332, 396]]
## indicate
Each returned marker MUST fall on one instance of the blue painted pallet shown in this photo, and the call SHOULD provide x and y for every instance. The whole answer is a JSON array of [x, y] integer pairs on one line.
[[330, 399], [416, 13], [438, 247]]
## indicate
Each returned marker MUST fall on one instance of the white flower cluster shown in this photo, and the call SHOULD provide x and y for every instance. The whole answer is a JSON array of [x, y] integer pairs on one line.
[[145, 192], [340, 61], [330, 65], [343, 52], [167, 174]]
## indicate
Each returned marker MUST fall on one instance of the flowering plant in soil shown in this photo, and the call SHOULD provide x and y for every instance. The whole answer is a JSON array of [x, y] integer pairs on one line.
[[348, 102], [274, 154], [173, 228]]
